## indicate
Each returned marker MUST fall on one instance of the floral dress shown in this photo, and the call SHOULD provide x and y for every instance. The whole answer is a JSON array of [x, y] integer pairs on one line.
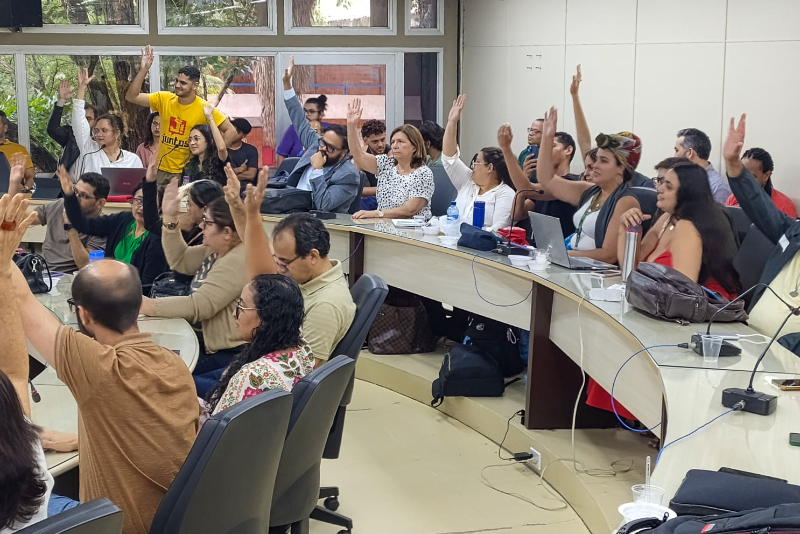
[[281, 369]]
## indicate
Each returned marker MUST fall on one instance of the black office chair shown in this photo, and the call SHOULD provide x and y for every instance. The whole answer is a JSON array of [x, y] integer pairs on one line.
[[315, 401], [99, 516], [226, 483], [751, 260], [368, 293], [444, 192], [741, 220], [647, 198], [357, 201], [288, 165]]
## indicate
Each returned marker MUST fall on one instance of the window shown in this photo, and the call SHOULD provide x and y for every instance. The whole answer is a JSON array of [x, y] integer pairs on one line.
[[216, 16], [107, 91], [424, 17], [102, 16], [241, 87], [8, 95], [421, 87], [346, 16]]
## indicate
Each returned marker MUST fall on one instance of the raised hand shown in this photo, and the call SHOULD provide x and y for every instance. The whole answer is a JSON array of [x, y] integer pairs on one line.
[[17, 175], [15, 220], [735, 141], [254, 196], [576, 82], [531, 162], [147, 57], [505, 136], [152, 172], [550, 123], [457, 109], [287, 74], [208, 111], [633, 217], [83, 78], [354, 112], [66, 181], [170, 205], [65, 91], [233, 188]]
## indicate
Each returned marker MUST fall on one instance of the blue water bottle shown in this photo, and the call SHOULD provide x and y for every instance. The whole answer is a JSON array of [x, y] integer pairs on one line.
[[478, 213], [452, 212], [96, 255]]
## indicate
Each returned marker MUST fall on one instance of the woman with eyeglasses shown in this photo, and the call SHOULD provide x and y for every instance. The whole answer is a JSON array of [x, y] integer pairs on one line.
[[104, 149], [486, 179], [218, 275], [269, 317], [209, 152]]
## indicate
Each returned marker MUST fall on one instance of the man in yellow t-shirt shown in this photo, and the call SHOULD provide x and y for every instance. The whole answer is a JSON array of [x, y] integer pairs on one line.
[[180, 112], [10, 148]]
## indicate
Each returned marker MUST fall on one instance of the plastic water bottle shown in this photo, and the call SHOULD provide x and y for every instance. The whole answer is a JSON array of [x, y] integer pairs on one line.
[[629, 260], [96, 255], [452, 212]]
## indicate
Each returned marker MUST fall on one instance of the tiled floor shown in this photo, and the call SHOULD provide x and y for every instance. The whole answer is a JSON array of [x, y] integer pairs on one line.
[[407, 468]]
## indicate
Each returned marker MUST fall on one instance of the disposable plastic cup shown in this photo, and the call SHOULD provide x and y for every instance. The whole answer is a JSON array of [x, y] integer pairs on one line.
[[711, 348], [647, 494], [641, 510]]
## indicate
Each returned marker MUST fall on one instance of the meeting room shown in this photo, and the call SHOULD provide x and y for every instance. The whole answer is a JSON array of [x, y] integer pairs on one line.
[[293, 266]]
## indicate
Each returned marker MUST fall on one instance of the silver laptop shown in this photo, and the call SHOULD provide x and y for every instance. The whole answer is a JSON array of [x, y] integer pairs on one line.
[[122, 180], [548, 235]]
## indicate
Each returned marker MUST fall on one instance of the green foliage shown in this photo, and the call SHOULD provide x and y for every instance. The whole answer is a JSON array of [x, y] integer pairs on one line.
[[87, 12], [215, 13]]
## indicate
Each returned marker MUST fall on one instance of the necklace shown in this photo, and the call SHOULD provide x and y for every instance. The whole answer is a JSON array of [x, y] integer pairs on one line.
[[670, 224], [796, 290]]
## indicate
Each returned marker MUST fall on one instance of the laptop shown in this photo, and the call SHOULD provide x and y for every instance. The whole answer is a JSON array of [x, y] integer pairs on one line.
[[46, 189], [5, 173], [548, 235], [122, 180]]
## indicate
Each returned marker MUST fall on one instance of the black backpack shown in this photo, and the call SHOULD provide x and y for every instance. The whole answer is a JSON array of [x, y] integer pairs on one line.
[[498, 341], [286, 200], [782, 518], [467, 372]]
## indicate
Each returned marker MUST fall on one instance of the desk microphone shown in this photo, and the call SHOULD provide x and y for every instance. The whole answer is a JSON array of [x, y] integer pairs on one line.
[[508, 248], [83, 159], [34, 394]]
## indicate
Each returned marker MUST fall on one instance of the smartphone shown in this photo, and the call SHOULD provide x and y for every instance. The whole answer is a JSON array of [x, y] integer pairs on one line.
[[723, 336], [794, 439], [786, 384], [533, 150], [713, 294]]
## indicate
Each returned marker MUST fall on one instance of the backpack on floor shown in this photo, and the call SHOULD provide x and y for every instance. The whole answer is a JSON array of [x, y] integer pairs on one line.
[[784, 518], [467, 372], [498, 341]]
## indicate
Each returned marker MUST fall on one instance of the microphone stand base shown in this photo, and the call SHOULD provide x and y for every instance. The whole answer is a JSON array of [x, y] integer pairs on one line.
[[754, 401], [510, 250]]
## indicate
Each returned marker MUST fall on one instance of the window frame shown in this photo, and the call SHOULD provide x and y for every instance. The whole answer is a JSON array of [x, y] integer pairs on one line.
[[143, 28], [438, 30], [270, 29], [290, 29]]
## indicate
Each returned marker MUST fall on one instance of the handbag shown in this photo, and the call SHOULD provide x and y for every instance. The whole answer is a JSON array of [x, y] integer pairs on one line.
[[782, 518], [286, 200], [666, 293], [474, 237], [171, 284], [33, 267], [401, 327]]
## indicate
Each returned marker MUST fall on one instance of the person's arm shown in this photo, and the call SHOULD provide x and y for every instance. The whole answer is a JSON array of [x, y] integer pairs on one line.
[[320, 327], [583, 136], [450, 141], [54, 128], [80, 126], [308, 137], [561, 188], [518, 177], [100, 226], [503, 204], [152, 221], [341, 190], [365, 161], [222, 149], [369, 191], [634, 217], [687, 250], [134, 93], [257, 249], [79, 252], [608, 252], [249, 168], [232, 190], [180, 256], [278, 160]]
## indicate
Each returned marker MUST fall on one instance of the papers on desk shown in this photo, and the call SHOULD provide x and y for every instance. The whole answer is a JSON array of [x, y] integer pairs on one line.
[[408, 223]]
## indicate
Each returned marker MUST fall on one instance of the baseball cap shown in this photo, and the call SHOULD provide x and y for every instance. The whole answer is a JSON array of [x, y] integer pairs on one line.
[[243, 125]]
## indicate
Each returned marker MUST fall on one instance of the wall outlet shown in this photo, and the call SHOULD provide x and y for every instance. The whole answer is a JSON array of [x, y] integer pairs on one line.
[[536, 461]]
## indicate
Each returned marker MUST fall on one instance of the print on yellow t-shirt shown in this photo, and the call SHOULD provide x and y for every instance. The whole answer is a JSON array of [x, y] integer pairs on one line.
[[176, 122]]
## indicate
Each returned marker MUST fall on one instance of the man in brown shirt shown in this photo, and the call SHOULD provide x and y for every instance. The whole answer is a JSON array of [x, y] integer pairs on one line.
[[138, 414]]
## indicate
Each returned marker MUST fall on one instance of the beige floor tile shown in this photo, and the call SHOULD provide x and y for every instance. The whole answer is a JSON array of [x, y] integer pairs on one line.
[[407, 468]]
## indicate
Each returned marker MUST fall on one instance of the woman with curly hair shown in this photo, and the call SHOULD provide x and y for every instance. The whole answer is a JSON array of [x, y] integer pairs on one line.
[[208, 149], [269, 316]]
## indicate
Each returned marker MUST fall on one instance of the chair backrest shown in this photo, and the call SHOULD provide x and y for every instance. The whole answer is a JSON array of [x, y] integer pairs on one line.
[[357, 201], [751, 259], [368, 294], [647, 197], [316, 399], [741, 220], [226, 483], [99, 516], [444, 192], [288, 165]]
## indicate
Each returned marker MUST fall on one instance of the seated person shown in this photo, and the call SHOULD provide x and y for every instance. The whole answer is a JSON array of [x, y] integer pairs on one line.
[[148, 149], [300, 245], [759, 162], [695, 145], [62, 134], [8, 148], [373, 133], [600, 202], [325, 168], [127, 240], [432, 134], [269, 317], [486, 179], [64, 249], [218, 270], [405, 183], [208, 150], [782, 270], [104, 149], [290, 145], [115, 373], [243, 156]]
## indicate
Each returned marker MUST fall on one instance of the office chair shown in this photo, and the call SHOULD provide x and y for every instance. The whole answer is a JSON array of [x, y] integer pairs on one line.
[[741, 220], [368, 293], [357, 201], [99, 516], [288, 165], [444, 192], [315, 401], [751, 259], [647, 198], [225, 485]]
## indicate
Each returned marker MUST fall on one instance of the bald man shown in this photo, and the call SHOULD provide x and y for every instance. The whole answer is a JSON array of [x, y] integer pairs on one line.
[[137, 403]]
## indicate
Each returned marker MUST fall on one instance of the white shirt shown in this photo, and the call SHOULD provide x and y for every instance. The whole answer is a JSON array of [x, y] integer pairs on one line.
[[499, 200], [93, 159], [309, 174], [586, 241], [41, 513]]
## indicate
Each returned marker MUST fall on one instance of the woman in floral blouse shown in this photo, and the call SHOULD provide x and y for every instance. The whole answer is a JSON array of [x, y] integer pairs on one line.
[[268, 316]]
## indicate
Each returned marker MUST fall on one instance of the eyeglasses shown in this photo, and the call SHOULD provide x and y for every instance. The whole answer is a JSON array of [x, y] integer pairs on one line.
[[323, 143], [284, 264], [240, 308], [310, 111], [476, 162], [534, 131], [658, 180], [81, 195], [196, 138], [208, 221], [72, 306], [103, 131], [138, 202]]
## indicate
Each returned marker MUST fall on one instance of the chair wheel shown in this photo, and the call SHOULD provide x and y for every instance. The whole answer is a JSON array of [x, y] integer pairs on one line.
[[332, 504]]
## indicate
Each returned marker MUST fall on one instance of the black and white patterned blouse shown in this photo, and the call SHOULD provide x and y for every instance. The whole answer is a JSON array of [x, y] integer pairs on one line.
[[394, 189]]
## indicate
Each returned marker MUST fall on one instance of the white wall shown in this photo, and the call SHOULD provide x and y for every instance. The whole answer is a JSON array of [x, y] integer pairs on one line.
[[649, 66]]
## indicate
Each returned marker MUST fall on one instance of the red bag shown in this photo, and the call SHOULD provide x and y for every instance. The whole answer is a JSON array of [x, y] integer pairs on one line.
[[515, 234]]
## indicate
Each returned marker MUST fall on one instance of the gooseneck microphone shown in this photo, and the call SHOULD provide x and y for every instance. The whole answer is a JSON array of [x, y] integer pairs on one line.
[[83, 159], [744, 293]]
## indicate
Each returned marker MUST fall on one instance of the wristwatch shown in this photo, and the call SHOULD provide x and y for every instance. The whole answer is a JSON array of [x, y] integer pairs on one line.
[[170, 225], [381, 214], [67, 227]]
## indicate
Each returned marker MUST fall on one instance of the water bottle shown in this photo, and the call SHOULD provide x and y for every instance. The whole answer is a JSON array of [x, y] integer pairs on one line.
[[478, 213], [629, 260], [452, 212], [96, 255]]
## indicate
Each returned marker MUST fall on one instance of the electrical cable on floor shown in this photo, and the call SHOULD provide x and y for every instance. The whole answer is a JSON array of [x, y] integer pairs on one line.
[[508, 426], [485, 481]]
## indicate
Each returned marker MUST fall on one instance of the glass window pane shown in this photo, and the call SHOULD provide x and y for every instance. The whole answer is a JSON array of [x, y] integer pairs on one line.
[[216, 13], [112, 74], [421, 87], [241, 87], [340, 13], [424, 13], [112, 12], [8, 95]]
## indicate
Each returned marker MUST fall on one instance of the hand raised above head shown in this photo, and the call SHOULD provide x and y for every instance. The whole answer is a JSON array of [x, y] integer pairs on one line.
[[734, 143], [233, 187], [505, 136], [457, 109], [14, 221], [576, 82], [170, 204], [354, 112], [254, 197]]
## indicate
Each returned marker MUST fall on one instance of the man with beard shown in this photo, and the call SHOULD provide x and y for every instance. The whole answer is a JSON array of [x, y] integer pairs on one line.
[[138, 410], [325, 168]]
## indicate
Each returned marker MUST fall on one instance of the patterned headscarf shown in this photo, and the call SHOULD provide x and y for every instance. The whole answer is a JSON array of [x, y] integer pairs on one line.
[[626, 146]]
